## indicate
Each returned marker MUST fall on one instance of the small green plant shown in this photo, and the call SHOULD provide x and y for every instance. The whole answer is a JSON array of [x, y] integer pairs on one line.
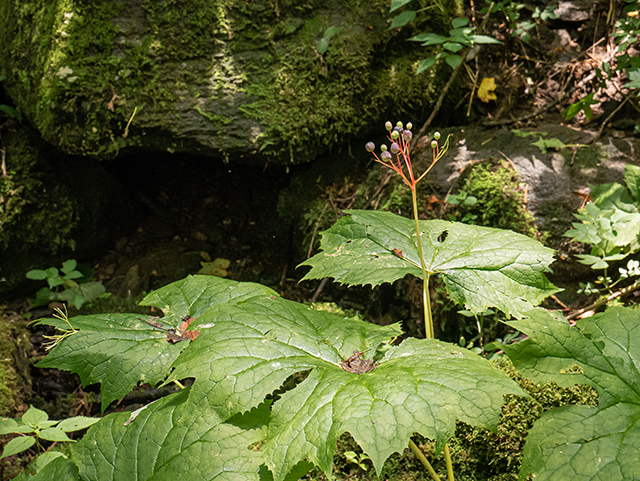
[[460, 36], [322, 45], [520, 28], [357, 458], [65, 285], [610, 222], [34, 427]]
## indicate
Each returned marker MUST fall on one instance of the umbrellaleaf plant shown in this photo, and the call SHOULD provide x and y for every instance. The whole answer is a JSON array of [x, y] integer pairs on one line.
[[240, 342]]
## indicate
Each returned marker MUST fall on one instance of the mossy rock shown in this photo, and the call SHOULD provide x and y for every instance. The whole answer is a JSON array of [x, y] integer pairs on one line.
[[216, 77], [15, 379]]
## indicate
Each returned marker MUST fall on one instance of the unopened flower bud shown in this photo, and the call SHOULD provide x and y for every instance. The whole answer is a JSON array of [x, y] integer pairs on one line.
[[407, 135], [409, 125], [370, 146], [395, 148], [383, 147], [386, 156], [436, 136], [388, 125], [434, 144], [395, 134], [399, 125]]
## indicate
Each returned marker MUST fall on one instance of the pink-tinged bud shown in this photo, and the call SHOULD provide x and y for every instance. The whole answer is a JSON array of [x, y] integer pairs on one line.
[[386, 156], [407, 135], [395, 148], [370, 147], [388, 126]]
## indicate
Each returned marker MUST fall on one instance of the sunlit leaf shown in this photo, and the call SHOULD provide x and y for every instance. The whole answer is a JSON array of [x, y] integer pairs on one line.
[[396, 4], [486, 91], [482, 267], [577, 443]]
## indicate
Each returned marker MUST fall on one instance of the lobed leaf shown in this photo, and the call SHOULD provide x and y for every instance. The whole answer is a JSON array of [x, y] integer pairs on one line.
[[115, 350], [259, 343], [250, 348], [195, 294], [580, 442], [482, 267], [120, 350], [170, 440], [422, 386]]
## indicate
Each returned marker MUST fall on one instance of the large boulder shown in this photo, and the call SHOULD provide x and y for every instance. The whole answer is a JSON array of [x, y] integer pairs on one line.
[[226, 79]]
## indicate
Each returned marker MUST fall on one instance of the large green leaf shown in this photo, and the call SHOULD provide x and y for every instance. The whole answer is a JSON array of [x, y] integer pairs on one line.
[[170, 440], [580, 443], [120, 350], [195, 294], [262, 341], [482, 267], [116, 350], [422, 386], [249, 349]]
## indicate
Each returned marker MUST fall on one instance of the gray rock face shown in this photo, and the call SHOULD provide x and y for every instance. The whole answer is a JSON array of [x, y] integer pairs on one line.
[[552, 177], [233, 80]]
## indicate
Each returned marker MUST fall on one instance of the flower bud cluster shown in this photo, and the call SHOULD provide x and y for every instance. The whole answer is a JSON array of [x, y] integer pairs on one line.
[[400, 137]]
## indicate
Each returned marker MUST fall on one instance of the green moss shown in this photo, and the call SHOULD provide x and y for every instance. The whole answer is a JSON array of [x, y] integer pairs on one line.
[[35, 214], [15, 381], [79, 71], [501, 199]]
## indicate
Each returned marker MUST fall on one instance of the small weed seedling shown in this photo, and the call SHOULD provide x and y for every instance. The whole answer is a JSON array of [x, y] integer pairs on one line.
[[65, 285], [34, 427]]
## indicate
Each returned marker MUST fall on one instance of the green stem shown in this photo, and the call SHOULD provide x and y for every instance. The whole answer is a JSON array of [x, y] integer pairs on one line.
[[178, 383], [428, 321], [423, 460], [447, 458]]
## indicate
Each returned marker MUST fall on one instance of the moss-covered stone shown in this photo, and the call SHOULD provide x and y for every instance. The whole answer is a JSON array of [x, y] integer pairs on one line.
[[15, 380], [224, 78]]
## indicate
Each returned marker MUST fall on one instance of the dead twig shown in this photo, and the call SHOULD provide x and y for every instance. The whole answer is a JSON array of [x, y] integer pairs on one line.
[[622, 292], [323, 282], [4, 161], [606, 121]]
